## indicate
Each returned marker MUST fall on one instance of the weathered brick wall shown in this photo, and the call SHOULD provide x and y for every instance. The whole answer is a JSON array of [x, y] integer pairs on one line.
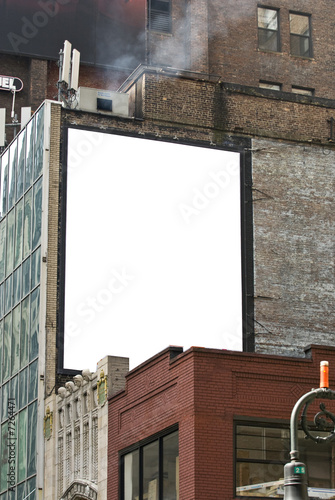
[[294, 245], [234, 53], [179, 100], [279, 115], [204, 392], [53, 251]]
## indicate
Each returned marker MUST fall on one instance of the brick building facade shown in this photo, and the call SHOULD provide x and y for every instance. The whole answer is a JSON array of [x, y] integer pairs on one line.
[[231, 411], [252, 79]]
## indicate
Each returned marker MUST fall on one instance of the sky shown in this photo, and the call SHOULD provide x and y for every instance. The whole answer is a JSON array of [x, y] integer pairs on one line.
[[153, 250]]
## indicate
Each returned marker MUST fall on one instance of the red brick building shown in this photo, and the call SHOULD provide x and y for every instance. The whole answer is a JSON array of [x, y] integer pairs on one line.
[[231, 412]]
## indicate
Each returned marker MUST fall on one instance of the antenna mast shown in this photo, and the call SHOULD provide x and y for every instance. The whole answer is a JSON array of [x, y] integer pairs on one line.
[[68, 75]]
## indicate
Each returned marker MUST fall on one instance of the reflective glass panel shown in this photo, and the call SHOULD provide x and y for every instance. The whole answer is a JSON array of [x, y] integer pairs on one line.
[[16, 315], [2, 300], [267, 18], [26, 277], [21, 159], [261, 453], [299, 24], [268, 33], [37, 213], [1, 339], [32, 386], [27, 224], [30, 154], [5, 393], [131, 482], [300, 35], [22, 454], [10, 242], [4, 456], [12, 174], [21, 491], [7, 346], [14, 393], [18, 233], [171, 467], [39, 142], [17, 286], [35, 267], [25, 328], [150, 471], [31, 445], [31, 488], [23, 378], [8, 294], [4, 184], [34, 323], [2, 248], [3, 496]]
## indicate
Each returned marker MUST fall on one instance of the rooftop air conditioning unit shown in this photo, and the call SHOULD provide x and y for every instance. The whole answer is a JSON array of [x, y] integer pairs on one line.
[[103, 101]]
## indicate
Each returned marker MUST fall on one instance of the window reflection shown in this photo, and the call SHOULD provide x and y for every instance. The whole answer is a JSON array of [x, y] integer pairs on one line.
[[152, 470], [262, 452]]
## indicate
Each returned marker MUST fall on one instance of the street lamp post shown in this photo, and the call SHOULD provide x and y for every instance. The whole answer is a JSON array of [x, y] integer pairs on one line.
[[295, 472]]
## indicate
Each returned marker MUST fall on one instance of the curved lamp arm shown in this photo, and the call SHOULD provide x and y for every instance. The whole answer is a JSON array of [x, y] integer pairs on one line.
[[305, 400]]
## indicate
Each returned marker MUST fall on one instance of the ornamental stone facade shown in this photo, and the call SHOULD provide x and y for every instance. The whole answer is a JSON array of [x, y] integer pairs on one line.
[[76, 432]]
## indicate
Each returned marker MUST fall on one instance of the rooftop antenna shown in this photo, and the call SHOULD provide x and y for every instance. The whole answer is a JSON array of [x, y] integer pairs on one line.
[[68, 74]]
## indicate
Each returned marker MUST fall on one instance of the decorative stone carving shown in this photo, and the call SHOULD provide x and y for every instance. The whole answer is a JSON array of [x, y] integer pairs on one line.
[[48, 423], [61, 418], [78, 380], [102, 388], [79, 406], [70, 386], [87, 375], [62, 392]]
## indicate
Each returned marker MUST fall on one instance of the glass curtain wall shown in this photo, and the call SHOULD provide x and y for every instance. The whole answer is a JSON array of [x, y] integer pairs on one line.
[[20, 264]]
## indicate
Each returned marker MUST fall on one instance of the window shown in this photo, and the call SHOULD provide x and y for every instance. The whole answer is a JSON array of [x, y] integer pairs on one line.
[[300, 30], [268, 29], [302, 90], [151, 470], [262, 452], [160, 15], [269, 85]]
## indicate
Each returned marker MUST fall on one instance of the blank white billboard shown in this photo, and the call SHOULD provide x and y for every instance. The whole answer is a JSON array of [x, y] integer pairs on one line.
[[153, 248]]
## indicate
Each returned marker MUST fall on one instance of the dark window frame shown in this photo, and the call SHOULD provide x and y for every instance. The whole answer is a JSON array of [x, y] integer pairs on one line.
[[140, 445], [160, 16], [267, 30], [267, 82], [308, 91], [278, 424], [297, 36]]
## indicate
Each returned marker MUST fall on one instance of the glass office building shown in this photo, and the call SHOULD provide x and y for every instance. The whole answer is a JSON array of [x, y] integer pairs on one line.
[[21, 203]]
